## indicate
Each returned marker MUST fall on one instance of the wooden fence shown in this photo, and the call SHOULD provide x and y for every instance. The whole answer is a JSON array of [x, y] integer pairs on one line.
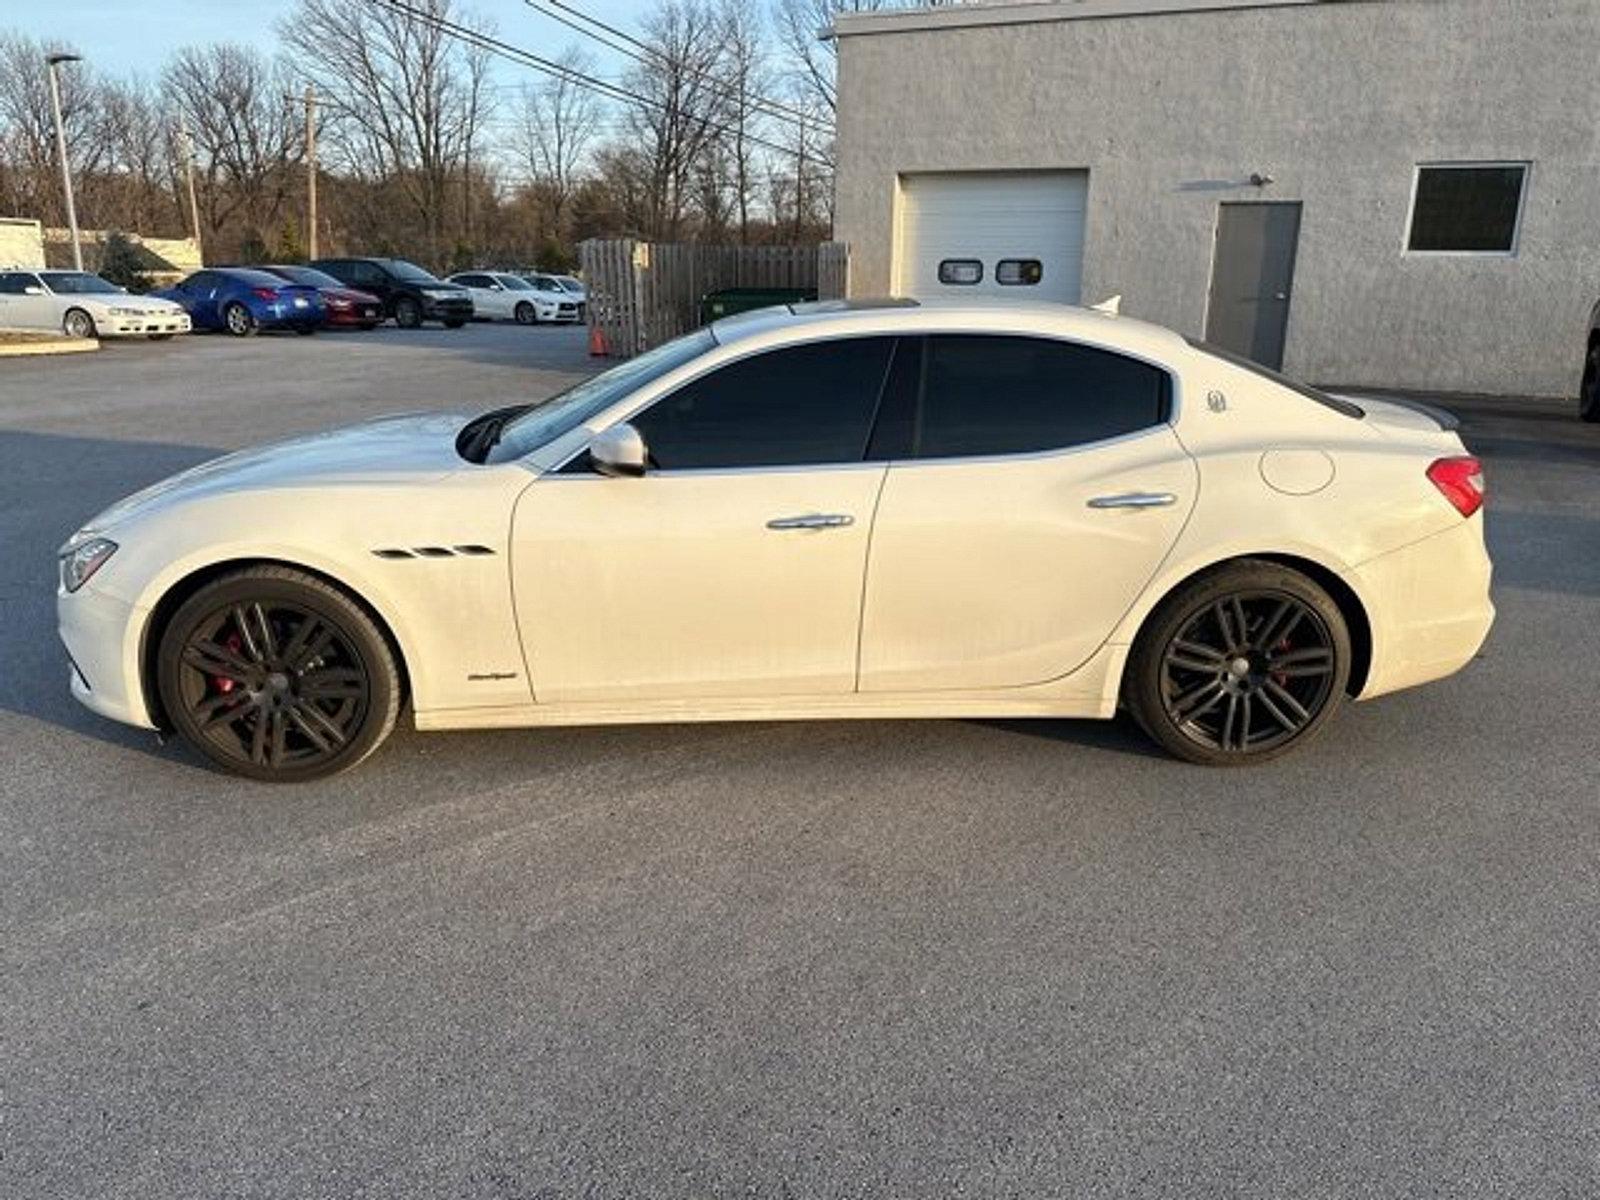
[[644, 293]]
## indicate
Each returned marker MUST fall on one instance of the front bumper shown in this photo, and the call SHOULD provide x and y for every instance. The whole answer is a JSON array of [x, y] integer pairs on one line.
[[143, 325], [447, 310], [1429, 607], [101, 634]]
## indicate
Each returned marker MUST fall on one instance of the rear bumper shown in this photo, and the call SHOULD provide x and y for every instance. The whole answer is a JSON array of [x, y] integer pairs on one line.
[[1429, 607], [355, 318]]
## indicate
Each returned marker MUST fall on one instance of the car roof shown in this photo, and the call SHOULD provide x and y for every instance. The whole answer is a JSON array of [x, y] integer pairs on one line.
[[891, 315]]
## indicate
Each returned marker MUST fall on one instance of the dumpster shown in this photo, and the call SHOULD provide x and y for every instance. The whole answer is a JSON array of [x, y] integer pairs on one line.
[[727, 301]]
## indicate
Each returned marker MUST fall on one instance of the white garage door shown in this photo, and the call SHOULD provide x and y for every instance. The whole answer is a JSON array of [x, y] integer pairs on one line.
[[1019, 233]]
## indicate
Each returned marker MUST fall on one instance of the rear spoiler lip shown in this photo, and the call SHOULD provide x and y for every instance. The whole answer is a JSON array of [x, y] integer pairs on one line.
[[1447, 420]]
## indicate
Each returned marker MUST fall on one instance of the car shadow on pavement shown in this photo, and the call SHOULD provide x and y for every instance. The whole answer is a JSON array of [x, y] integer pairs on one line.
[[52, 484]]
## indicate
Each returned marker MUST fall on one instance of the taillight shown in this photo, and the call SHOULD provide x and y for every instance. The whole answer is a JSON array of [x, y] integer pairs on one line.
[[1461, 481], [266, 293]]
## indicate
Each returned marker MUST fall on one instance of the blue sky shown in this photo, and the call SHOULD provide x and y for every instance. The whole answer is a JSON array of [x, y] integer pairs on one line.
[[123, 37]]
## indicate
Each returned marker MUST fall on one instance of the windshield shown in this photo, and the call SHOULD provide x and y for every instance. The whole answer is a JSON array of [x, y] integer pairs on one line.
[[80, 283], [307, 275], [408, 270], [568, 282], [565, 412]]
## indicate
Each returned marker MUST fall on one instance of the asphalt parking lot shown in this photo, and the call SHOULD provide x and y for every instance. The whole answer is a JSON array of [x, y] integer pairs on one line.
[[955, 958]]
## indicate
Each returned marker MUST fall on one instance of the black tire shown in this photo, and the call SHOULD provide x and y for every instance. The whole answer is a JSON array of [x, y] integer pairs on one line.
[[76, 323], [1239, 666], [455, 322], [408, 313], [277, 675], [1589, 393], [238, 321], [305, 330], [160, 337], [525, 314]]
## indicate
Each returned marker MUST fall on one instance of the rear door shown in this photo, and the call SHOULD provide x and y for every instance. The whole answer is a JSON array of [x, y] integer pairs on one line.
[[1034, 488]]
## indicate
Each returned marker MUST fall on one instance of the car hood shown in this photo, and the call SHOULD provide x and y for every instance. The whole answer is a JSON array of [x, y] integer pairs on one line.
[[411, 448]]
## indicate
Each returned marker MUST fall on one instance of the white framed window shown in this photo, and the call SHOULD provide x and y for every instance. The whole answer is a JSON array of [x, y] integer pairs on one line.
[[1467, 208]]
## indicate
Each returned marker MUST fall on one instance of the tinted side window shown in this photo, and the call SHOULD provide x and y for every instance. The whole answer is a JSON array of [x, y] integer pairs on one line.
[[1016, 395], [16, 283], [790, 407]]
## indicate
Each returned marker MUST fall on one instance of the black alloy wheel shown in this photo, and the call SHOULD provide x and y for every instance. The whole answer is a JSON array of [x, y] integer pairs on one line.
[[407, 313], [1240, 666], [525, 314], [1589, 393], [238, 320], [276, 675]]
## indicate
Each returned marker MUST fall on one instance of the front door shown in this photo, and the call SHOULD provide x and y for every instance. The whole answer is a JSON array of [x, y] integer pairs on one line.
[[1035, 494], [734, 566], [1252, 279]]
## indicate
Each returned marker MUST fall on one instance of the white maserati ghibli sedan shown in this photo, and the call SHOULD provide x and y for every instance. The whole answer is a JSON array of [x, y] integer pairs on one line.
[[834, 510]]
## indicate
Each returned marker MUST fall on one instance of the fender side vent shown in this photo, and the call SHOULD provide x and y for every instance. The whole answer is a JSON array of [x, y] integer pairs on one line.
[[393, 552], [474, 551], [433, 551]]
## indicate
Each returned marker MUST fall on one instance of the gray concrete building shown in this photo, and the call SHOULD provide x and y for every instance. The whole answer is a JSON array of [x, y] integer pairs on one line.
[[1386, 193]]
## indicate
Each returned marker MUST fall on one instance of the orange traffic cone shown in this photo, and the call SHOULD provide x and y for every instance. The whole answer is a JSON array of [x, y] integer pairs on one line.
[[597, 342]]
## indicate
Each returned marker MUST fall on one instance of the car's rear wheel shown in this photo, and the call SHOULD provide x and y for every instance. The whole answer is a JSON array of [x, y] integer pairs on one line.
[[237, 319], [305, 330], [525, 314], [277, 675], [1589, 393], [76, 323], [407, 313], [1240, 666]]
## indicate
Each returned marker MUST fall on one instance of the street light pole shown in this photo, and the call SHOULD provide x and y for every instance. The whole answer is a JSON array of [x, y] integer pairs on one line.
[[54, 61]]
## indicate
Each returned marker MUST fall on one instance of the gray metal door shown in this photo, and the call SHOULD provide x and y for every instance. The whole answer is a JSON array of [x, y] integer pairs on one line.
[[1252, 278]]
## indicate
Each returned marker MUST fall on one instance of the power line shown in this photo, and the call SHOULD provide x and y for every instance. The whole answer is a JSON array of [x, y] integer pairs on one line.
[[770, 107], [582, 79]]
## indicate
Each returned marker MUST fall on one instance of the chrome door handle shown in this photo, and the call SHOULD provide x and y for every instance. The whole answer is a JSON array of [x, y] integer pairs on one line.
[[1135, 500], [813, 521]]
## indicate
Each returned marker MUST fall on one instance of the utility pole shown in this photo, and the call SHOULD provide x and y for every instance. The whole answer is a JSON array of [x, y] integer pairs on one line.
[[188, 176], [54, 61], [311, 170]]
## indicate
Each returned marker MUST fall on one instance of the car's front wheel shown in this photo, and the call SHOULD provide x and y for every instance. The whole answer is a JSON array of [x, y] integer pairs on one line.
[[525, 314], [238, 321], [275, 674], [407, 313], [77, 324], [1240, 666], [1589, 393]]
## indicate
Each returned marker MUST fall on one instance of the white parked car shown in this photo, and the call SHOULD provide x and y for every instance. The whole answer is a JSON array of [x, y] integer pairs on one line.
[[83, 305], [569, 284], [498, 295], [831, 511]]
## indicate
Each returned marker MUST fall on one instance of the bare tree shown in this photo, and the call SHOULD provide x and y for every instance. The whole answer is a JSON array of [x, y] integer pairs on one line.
[[407, 100], [681, 107], [31, 182], [745, 70], [234, 102], [560, 121]]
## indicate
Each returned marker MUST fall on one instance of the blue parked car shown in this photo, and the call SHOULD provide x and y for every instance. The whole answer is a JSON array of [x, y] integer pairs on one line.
[[241, 301]]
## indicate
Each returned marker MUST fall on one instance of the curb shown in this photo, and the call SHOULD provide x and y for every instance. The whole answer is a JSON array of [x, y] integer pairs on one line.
[[43, 344]]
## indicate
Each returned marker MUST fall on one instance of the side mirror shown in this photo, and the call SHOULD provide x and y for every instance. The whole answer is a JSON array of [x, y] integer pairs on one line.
[[33, 290], [619, 452]]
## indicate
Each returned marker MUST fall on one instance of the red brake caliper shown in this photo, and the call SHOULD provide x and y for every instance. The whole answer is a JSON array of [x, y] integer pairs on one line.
[[223, 683]]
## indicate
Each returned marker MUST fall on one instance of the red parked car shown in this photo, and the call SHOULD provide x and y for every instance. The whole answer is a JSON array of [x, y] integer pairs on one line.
[[345, 305]]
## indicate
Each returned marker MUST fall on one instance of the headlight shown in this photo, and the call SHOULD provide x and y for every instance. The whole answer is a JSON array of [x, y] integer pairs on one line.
[[438, 293], [127, 312], [80, 561]]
